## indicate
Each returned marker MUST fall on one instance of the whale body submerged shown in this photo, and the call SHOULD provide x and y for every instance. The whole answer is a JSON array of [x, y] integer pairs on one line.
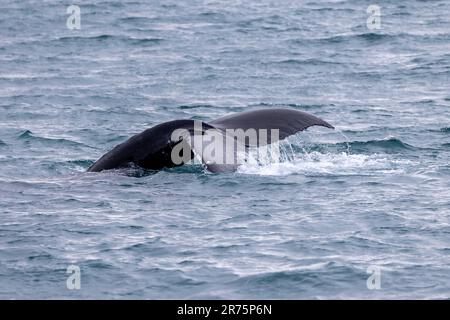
[[153, 148]]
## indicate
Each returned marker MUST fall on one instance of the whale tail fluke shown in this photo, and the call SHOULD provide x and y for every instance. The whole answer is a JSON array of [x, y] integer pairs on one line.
[[287, 121], [152, 148]]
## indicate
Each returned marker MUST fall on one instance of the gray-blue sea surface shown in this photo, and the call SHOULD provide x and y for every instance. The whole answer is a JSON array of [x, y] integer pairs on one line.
[[371, 195]]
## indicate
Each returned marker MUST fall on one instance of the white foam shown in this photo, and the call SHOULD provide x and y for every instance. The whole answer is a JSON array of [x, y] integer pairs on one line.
[[317, 163]]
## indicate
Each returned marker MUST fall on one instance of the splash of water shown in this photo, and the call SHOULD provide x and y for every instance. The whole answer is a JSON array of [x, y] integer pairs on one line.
[[297, 156]]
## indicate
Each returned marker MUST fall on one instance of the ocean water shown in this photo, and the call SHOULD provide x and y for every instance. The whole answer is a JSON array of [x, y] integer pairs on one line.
[[374, 194]]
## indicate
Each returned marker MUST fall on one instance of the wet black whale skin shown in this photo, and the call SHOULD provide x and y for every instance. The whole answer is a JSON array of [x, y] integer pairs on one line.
[[151, 149]]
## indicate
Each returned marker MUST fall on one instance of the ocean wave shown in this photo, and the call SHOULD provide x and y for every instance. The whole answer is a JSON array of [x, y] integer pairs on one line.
[[322, 275], [375, 37], [291, 105], [28, 136], [368, 36], [389, 144], [135, 19], [70, 166], [310, 61], [109, 38], [195, 106], [131, 170]]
